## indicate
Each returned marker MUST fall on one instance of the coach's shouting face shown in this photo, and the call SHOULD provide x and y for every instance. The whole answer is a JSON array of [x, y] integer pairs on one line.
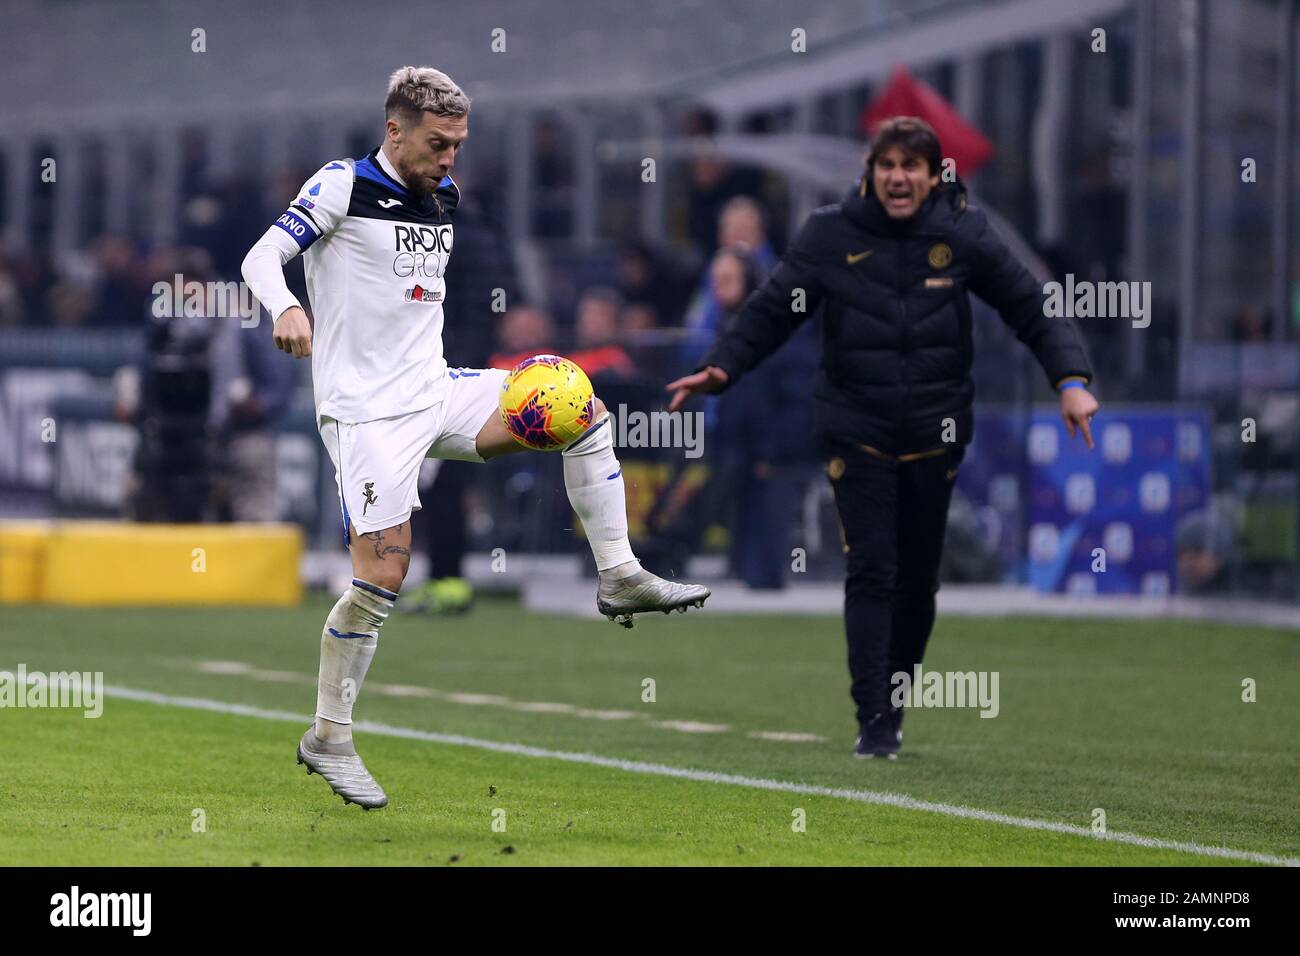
[[902, 182]]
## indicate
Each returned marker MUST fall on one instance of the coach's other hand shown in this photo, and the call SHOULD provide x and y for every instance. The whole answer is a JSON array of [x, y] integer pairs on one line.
[[293, 332], [1077, 408], [704, 382]]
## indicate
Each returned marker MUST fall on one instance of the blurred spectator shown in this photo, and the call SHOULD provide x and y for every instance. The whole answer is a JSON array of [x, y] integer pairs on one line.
[[481, 273], [524, 331], [643, 279], [70, 304], [11, 303], [741, 225], [639, 324], [119, 291], [35, 276], [713, 181], [255, 382], [179, 400], [1295, 299], [553, 176], [1206, 540], [1248, 324], [639, 317], [763, 425], [597, 336], [733, 274]]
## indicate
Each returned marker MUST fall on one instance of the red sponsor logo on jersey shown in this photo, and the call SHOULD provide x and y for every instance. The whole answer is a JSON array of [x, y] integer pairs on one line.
[[421, 294]]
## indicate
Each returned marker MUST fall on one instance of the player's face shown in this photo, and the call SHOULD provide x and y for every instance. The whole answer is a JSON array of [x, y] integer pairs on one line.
[[902, 182], [424, 154]]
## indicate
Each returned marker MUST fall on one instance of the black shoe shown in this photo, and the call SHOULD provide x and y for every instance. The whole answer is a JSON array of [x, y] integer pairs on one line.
[[877, 737], [896, 721]]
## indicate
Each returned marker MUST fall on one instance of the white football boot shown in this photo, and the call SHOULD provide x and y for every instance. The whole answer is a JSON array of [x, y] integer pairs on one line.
[[342, 769], [619, 599]]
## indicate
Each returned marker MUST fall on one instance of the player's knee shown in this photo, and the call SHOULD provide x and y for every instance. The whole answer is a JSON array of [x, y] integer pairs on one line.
[[598, 405], [389, 575]]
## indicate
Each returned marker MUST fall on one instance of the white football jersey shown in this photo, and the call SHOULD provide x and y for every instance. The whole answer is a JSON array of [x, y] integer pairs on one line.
[[374, 257]]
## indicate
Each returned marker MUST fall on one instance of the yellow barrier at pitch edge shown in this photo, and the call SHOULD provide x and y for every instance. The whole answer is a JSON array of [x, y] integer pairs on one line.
[[115, 563], [22, 557]]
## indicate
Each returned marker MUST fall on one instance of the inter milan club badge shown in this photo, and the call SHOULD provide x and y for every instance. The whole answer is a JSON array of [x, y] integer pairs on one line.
[[940, 255]]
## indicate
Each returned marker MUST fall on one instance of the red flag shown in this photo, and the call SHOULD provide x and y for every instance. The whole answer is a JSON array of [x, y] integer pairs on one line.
[[905, 95]]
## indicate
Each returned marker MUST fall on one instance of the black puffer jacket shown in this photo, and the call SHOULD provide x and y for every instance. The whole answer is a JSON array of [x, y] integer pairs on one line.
[[896, 340]]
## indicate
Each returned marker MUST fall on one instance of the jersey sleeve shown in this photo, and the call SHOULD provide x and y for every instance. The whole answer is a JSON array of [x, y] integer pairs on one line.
[[321, 204]]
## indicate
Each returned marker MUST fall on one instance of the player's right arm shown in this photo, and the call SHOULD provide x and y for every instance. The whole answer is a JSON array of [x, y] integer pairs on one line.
[[321, 204]]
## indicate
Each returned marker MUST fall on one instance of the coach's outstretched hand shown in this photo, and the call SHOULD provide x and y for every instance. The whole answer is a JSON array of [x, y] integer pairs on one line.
[[293, 332], [1077, 408], [704, 382]]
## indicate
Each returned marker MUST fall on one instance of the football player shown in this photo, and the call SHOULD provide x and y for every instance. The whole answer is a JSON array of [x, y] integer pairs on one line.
[[377, 235]]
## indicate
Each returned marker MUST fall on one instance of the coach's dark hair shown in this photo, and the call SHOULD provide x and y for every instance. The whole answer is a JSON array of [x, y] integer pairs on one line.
[[414, 89], [914, 136]]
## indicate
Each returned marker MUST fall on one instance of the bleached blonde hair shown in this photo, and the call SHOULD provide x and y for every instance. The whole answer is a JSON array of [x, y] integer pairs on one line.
[[413, 90]]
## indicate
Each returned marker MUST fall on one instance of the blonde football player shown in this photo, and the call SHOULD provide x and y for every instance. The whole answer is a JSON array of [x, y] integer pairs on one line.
[[377, 236]]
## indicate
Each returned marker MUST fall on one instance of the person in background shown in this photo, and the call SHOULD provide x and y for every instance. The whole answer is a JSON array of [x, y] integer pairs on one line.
[[639, 322], [597, 335], [119, 291], [763, 427], [11, 302], [70, 304], [644, 279], [741, 224], [255, 391], [176, 402], [713, 181], [524, 331], [639, 317]]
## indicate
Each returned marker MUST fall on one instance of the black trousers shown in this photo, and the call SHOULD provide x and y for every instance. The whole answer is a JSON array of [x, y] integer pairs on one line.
[[893, 513], [444, 512]]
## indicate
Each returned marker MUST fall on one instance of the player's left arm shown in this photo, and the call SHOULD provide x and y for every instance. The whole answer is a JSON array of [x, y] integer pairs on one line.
[[1002, 280]]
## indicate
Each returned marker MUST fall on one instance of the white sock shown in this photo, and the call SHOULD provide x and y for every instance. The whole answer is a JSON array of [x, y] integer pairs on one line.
[[594, 480], [347, 645]]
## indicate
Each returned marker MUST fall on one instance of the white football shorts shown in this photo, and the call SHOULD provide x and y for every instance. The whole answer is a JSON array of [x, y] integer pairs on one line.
[[377, 463]]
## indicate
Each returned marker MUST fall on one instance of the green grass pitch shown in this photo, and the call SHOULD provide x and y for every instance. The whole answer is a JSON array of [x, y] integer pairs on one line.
[[1141, 719]]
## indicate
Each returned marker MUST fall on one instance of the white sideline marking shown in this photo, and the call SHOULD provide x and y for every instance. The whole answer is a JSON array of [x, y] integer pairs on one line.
[[787, 736], [240, 669], [708, 776], [691, 726]]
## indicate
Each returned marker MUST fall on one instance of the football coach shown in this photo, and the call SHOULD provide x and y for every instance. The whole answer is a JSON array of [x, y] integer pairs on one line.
[[891, 266]]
